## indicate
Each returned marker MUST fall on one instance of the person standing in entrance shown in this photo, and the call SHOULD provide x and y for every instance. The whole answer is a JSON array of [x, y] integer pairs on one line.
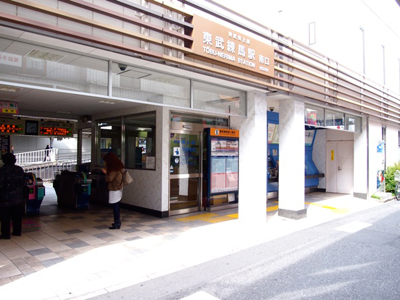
[[46, 153], [113, 171], [12, 193]]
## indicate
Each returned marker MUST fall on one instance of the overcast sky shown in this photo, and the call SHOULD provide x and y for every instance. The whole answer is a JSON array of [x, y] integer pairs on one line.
[[268, 12]]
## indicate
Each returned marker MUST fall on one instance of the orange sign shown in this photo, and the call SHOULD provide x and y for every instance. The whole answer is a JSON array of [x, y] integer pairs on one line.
[[226, 45], [224, 132]]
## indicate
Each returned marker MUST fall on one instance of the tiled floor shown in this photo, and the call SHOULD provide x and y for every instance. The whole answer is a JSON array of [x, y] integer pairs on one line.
[[59, 240], [58, 234]]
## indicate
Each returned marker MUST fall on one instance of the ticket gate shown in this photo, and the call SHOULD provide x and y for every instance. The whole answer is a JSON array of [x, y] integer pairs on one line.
[[36, 193], [73, 189], [99, 187]]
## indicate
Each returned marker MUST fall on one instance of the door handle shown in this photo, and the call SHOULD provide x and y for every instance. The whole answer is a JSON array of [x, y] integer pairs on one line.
[[339, 168]]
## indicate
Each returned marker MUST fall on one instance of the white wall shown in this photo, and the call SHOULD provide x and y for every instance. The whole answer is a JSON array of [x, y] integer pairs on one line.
[[392, 148]]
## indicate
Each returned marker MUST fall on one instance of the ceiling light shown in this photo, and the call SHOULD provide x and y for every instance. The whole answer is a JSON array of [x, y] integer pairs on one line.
[[106, 102], [44, 55], [63, 112], [9, 88]]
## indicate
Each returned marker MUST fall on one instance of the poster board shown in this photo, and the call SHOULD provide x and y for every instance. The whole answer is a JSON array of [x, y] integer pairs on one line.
[[223, 161]]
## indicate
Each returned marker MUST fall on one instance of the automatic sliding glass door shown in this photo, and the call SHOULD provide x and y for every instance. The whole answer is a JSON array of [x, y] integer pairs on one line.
[[185, 172]]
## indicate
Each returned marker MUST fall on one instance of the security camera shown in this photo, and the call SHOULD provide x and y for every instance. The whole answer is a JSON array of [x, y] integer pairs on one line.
[[271, 108], [122, 67]]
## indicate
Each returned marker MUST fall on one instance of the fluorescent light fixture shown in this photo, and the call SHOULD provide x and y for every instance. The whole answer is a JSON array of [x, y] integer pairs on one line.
[[106, 102], [9, 88], [43, 55], [106, 127]]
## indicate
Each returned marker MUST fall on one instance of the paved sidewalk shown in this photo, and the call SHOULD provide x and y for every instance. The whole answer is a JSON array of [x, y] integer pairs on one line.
[[75, 256]]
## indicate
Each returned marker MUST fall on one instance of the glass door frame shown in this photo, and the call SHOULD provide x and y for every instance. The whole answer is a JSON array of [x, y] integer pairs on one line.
[[198, 175]]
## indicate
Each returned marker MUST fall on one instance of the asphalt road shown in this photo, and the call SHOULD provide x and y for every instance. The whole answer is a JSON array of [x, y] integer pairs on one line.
[[354, 257]]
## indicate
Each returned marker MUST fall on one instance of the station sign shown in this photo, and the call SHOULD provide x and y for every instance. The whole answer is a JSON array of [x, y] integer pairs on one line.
[[229, 46]]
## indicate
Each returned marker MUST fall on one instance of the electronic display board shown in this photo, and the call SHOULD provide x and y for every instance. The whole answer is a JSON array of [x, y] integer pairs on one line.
[[11, 126], [57, 131]]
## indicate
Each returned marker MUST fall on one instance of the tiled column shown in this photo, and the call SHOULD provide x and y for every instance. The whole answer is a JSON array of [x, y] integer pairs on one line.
[[253, 160], [291, 159], [360, 162]]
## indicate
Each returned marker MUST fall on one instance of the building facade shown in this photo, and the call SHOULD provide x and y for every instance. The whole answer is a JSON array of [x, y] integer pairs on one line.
[[146, 78]]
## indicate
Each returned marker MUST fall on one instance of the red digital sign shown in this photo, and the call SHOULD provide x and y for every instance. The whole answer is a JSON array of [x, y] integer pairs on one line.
[[12, 128], [57, 131]]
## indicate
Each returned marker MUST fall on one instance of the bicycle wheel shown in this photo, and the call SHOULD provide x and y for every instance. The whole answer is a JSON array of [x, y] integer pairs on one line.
[[397, 191]]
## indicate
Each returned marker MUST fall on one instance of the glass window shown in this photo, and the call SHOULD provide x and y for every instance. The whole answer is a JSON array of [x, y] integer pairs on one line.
[[314, 116], [334, 119], [109, 136], [353, 123], [185, 153], [52, 68], [197, 119], [140, 141], [217, 99], [146, 85]]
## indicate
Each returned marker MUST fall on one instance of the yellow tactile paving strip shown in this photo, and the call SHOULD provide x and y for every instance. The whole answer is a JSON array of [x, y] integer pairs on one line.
[[200, 217], [332, 209], [220, 217]]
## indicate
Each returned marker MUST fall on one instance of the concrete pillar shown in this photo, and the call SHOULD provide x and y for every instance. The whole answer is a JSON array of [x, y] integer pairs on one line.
[[291, 159], [360, 189], [253, 160]]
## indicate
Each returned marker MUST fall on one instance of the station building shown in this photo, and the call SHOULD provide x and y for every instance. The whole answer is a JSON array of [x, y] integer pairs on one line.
[[206, 108]]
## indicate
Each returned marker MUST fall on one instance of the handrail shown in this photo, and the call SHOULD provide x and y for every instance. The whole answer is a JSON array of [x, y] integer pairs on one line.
[[37, 156]]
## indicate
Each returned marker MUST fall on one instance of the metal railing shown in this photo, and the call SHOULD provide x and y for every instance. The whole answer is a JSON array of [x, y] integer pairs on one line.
[[46, 167], [35, 157]]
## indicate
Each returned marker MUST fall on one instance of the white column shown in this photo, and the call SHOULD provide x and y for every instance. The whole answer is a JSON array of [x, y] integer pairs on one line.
[[360, 189], [291, 159], [253, 160]]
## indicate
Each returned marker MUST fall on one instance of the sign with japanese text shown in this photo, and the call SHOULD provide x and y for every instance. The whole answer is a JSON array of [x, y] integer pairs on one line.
[[8, 108], [217, 42], [10, 59], [224, 132]]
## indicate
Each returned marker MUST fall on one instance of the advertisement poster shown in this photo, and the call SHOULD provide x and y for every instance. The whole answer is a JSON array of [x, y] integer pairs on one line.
[[224, 174], [220, 147], [273, 133]]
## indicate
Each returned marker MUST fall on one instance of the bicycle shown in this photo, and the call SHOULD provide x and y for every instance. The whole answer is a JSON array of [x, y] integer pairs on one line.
[[397, 188]]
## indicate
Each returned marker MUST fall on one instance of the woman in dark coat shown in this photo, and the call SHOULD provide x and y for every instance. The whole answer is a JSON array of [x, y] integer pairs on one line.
[[12, 193]]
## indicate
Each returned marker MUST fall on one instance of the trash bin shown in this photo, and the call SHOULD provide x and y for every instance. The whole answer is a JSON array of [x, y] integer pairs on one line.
[[36, 193], [99, 187], [73, 189]]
